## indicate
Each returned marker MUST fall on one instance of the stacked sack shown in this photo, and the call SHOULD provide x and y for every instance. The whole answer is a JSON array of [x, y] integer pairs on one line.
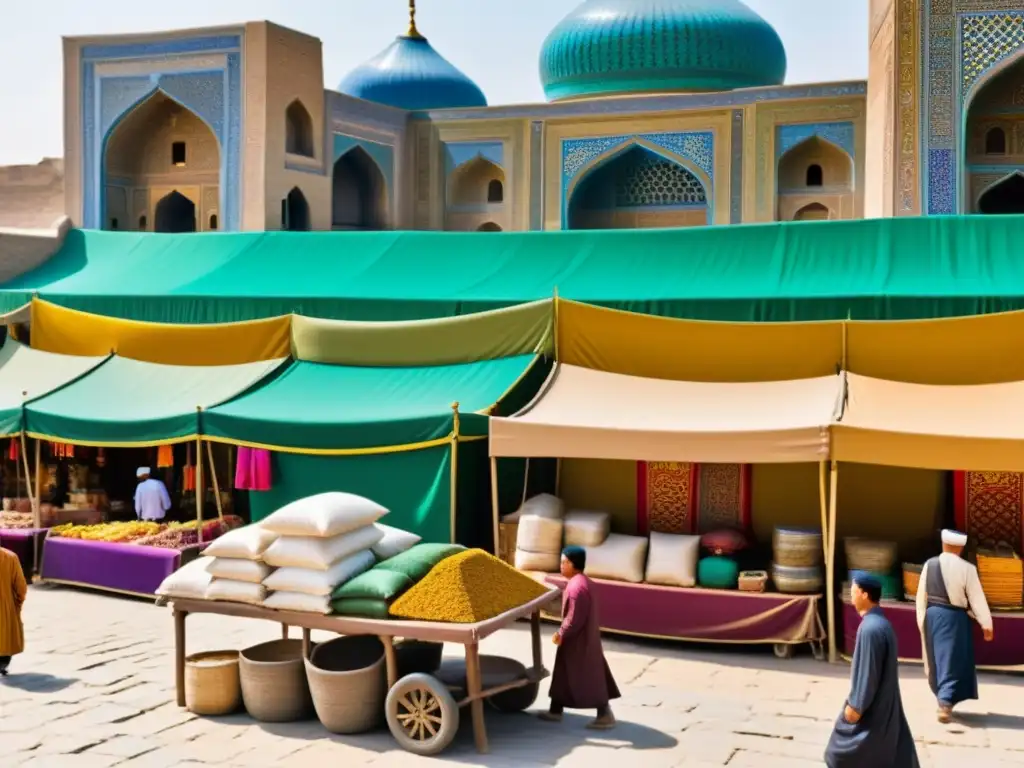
[[236, 567], [539, 538], [322, 541]]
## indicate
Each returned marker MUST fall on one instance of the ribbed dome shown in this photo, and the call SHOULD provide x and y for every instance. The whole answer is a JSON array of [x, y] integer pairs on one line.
[[410, 74], [608, 47]]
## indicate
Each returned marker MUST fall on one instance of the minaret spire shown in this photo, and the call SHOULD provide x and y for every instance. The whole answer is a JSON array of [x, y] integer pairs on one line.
[[413, 32]]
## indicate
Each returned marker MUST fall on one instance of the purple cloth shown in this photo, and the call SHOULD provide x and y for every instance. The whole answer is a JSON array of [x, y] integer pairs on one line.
[[100, 564], [22, 542]]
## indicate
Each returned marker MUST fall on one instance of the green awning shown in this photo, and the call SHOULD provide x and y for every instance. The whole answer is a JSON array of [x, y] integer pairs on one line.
[[315, 407], [27, 373], [131, 403], [870, 269]]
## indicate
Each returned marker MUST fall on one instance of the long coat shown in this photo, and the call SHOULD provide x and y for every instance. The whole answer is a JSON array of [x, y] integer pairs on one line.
[[581, 678], [13, 591]]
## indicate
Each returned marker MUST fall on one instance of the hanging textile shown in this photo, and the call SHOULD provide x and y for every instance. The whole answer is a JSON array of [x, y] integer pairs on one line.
[[14, 451], [684, 498], [165, 456], [101, 457], [990, 507], [188, 474], [723, 497], [62, 451], [252, 469]]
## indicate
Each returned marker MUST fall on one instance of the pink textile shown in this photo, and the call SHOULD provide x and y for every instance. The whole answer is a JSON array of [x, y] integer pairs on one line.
[[243, 469], [252, 472]]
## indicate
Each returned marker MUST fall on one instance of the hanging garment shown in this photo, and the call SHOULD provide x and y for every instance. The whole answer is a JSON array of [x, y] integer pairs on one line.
[[165, 456], [101, 457], [14, 451], [243, 469], [260, 472]]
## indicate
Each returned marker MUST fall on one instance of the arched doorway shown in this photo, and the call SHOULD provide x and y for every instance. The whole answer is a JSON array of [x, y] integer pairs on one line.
[[994, 144], [814, 181], [158, 149], [812, 212], [488, 226], [476, 183], [295, 212], [359, 192], [175, 213], [638, 189]]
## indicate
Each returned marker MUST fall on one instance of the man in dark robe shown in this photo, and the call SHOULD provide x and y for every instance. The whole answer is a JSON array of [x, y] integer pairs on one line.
[[582, 678], [872, 730]]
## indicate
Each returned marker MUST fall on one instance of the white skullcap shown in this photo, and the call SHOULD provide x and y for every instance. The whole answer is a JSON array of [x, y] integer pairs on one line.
[[954, 538], [141, 471]]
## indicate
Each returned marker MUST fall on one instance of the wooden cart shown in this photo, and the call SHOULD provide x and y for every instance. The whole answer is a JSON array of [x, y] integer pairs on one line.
[[421, 711]]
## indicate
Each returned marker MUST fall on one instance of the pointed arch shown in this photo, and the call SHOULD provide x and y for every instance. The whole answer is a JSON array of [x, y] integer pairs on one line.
[[175, 213], [473, 182], [813, 212], [1003, 196], [359, 193], [295, 212], [813, 163], [298, 130], [488, 226]]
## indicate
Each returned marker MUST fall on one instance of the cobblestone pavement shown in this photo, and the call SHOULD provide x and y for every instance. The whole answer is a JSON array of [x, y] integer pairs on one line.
[[95, 689]]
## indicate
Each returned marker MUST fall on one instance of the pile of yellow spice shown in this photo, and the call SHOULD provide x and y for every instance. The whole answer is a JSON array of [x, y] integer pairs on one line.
[[466, 588]]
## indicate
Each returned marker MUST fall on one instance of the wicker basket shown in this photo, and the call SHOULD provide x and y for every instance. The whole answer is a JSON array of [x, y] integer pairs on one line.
[[273, 677], [797, 581], [753, 581], [911, 580], [797, 548], [507, 535], [212, 684], [1001, 574], [871, 556], [348, 682]]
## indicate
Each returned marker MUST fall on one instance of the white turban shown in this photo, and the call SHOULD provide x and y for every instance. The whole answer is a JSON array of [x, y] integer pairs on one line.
[[954, 538], [142, 471]]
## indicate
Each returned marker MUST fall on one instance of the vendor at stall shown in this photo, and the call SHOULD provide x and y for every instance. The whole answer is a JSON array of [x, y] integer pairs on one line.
[[152, 501]]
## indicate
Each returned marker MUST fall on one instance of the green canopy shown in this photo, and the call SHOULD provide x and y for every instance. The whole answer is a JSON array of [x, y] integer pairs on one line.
[[27, 373], [131, 403], [871, 269], [320, 408]]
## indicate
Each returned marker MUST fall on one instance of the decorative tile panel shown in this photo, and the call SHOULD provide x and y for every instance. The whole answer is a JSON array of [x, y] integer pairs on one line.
[[697, 147], [985, 40]]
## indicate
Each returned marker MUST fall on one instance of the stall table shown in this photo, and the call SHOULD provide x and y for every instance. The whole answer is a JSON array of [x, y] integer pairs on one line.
[[25, 543], [1005, 650]]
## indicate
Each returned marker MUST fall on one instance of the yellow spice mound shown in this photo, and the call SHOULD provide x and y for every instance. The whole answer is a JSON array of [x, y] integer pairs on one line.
[[466, 588]]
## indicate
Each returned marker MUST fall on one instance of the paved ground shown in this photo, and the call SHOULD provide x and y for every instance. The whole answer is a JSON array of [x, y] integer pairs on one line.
[[94, 689]]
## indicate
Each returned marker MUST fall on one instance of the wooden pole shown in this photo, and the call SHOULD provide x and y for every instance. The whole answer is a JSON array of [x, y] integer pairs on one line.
[[526, 481], [454, 502], [216, 484], [830, 574], [495, 511], [39, 483], [200, 483], [823, 506], [558, 477]]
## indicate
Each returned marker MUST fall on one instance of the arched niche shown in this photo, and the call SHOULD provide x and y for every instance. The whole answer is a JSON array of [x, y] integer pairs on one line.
[[812, 212], [638, 188], [174, 213], [815, 164], [359, 192], [1005, 196], [298, 130], [994, 142], [488, 226], [295, 212], [158, 148], [477, 182]]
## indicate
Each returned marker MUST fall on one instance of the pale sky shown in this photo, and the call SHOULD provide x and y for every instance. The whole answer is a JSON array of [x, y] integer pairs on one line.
[[496, 42]]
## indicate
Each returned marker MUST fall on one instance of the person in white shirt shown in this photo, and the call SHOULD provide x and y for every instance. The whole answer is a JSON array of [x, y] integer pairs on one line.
[[151, 498], [948, 594]]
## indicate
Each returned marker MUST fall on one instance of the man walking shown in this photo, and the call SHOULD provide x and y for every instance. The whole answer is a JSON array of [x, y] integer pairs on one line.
[[13, 591], [151, 498], [872, 730], [948, 589]]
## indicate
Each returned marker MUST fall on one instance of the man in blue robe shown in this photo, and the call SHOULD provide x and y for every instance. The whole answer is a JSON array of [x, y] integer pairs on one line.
[[872, 730]]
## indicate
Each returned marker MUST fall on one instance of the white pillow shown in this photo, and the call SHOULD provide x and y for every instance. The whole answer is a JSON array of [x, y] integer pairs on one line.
[[319, 554], [248, 543], [324, 515], [586, 529], [672, 561], [620, 558], [395, 542], [238, 570], [541, 505], [309, 582], [236, 591], [537, 561], [542, 535], [293, 601], [189, 582]]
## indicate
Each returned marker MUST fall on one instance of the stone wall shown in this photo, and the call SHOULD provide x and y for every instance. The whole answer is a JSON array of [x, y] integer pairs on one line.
[[32, 196]]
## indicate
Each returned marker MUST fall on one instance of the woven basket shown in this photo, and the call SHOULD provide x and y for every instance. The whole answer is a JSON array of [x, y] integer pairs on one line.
[[212, 684], [797, 581], [348, 682], [753, 581], [911, 580], [872, 556], [797, 548], [273, 677], [1001, 574], [507, 535]]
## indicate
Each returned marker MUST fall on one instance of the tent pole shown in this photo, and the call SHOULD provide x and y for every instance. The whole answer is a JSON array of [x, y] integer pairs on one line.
[[558, 477], [554, 322], [200, 485], [213, 476], [495, 511], [526, 481], [28, 482], [454, 501], [823, 504], [830, 574], [39, 483]]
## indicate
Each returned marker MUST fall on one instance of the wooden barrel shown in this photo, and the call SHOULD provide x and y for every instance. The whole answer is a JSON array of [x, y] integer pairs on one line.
[[797, 547]]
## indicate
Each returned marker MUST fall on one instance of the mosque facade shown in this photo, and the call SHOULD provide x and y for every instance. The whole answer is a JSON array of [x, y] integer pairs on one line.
[[661, 113]]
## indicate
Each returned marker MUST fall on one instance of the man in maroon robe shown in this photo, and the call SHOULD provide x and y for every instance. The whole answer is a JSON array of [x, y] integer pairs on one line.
[[582, 679]]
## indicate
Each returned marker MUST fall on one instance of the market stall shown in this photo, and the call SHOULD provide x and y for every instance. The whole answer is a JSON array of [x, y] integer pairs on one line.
[[128, 405], [582, 413], [968, 427]]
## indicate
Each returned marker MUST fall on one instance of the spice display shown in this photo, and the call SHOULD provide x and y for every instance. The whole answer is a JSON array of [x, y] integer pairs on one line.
[[111, 532], [466, 588], [165, 536], [13, 520]]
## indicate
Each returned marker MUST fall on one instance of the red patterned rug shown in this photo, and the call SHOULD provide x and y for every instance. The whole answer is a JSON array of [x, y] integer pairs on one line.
[[678, 497], [990, 507]]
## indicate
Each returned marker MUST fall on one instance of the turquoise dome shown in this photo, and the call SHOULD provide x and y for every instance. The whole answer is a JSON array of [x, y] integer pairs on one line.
[[614, 47], [410, 74]]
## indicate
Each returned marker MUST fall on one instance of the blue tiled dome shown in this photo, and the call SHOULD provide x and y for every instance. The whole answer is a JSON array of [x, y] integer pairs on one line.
[[611, 47], [410, 74]]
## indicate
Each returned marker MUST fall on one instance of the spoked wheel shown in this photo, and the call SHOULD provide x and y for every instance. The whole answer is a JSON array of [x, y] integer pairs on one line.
[[422, 715], [818, 649], [783, 650]]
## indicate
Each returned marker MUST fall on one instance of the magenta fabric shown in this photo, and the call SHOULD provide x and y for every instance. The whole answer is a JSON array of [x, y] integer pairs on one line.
[[252, 471], [1005, 650], [243, 468], [100, 564], [22, 542], [704, 615]]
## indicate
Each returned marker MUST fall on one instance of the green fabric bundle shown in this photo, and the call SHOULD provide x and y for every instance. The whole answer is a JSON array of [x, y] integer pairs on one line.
[[718, 573]]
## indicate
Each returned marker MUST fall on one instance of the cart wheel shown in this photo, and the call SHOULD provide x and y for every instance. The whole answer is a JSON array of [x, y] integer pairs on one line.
[[422, 715], [515, 700], [783, 651], [818, 649]]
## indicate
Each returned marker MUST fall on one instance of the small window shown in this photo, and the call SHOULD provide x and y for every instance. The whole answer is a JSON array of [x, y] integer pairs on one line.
[[495, 192], [995, 142], [113, 223], [815, 177], [142, 223], [213, 222], [178, 157]]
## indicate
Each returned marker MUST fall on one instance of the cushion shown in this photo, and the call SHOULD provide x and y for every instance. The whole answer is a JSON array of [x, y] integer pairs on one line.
[[541, 505], [394, 542], [377, 584], [293, 601], [726, 541], [189, 582], [672, 560], [539, 534], [537, 561], [586, 529], [238, 570], [718, 573], [417, 561], [620, 558], [248, 543], [320, 583], [324, 515], [319, 554], [361, 606], [236, 591]]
